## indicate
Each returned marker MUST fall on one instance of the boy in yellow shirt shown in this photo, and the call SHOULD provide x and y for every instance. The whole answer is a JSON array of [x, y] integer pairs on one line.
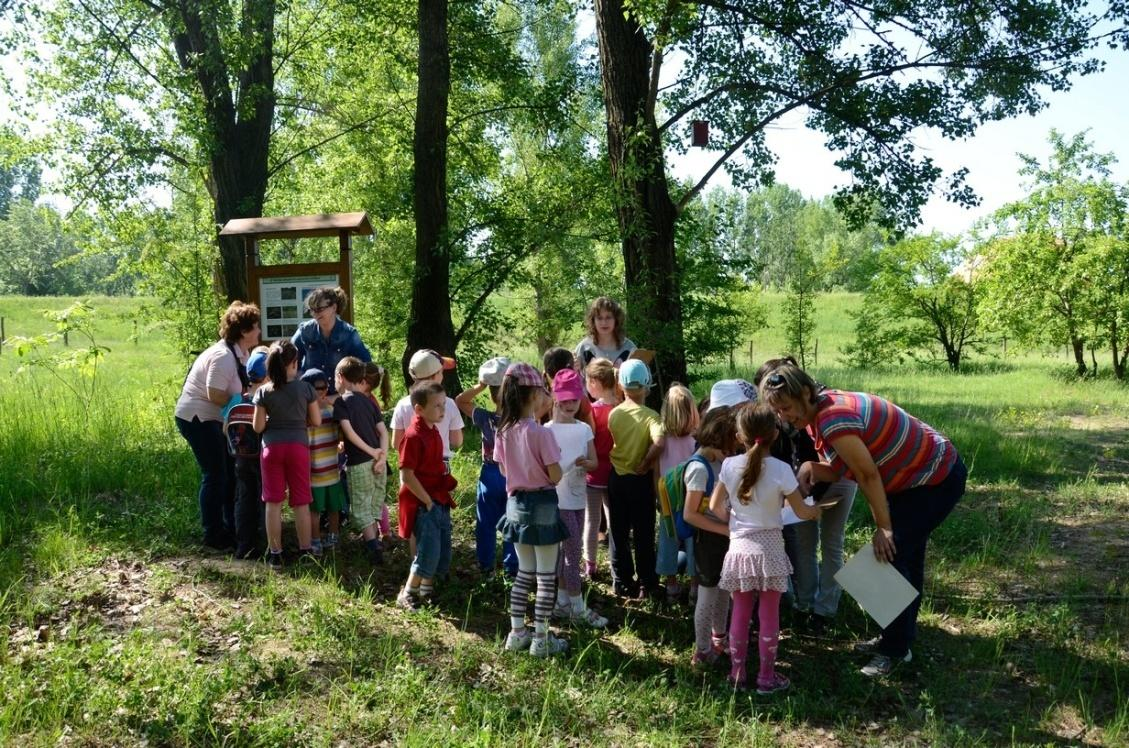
[[637, 434]]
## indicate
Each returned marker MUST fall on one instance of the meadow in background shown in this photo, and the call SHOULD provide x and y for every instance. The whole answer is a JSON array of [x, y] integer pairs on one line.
[[119, 630]]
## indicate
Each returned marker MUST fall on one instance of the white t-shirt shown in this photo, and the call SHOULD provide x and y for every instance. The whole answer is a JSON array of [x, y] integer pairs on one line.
[[214, 368], [573, 439], [452, 420], [763, 510]]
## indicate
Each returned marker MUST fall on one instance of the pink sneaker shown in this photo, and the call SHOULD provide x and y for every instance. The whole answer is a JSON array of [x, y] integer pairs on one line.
[[776, 683]]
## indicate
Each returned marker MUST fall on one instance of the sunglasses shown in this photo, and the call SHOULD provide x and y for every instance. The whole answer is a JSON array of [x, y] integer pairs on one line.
[[320, 309], [775, 381], [321, 387]]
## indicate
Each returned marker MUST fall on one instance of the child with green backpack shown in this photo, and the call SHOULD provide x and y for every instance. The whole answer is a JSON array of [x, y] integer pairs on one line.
[[717, 439], [680, 420]]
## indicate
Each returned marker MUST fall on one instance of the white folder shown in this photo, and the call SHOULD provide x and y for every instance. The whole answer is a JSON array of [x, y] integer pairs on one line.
[[878, 587]]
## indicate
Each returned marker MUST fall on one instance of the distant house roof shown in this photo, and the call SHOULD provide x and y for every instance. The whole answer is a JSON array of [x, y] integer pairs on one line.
[[297, 227]]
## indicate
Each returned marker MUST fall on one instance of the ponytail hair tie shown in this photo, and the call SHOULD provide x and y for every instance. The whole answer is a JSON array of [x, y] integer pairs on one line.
[[758, 441]]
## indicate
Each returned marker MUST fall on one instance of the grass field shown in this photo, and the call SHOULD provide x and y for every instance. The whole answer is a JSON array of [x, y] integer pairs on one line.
[[120, 631]]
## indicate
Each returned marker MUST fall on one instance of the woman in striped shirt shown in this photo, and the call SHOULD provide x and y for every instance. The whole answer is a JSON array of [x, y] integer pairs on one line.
[[910, 473]]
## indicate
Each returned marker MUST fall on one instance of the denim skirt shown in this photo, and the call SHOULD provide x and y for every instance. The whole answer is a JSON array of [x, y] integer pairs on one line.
[[533, 518]]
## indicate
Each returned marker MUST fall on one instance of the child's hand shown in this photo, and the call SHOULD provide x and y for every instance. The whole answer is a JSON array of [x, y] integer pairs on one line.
[[378, 461], [809, 512]]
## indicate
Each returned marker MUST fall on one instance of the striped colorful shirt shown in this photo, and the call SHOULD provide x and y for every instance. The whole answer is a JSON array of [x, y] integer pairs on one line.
[[907, 451], [324, 470]]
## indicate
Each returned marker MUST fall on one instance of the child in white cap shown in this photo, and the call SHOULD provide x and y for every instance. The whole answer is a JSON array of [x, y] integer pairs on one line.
[[491, 502]]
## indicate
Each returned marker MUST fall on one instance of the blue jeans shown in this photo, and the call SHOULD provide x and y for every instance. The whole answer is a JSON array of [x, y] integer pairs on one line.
[[915, 513], [433, 542], [670, 556], [217, 484], [813, 583], [489, 508]]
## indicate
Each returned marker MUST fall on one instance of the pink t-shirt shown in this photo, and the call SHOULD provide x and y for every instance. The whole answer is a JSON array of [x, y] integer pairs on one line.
[[676, 450], [524, 450]]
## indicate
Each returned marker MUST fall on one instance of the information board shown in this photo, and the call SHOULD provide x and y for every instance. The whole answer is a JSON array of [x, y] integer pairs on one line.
[[282, 300]]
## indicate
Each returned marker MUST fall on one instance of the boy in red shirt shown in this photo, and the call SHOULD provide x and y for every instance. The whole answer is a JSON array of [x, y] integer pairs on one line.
[[425, 494]]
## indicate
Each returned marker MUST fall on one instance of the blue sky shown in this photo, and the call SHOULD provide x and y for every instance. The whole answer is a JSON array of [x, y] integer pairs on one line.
[[1099, 102]]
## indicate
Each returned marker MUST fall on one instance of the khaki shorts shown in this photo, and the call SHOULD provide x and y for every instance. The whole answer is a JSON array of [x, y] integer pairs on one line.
[[366, 493]]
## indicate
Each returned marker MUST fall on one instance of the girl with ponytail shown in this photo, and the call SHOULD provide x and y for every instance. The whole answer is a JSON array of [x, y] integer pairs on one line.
[[749, 496], [284, 407]]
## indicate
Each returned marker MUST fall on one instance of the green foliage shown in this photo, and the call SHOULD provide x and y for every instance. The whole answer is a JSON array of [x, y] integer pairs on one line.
[[43, 256], [1057, 267], [785, 233], [172, 254], [76, 370], [876, 345], [716, 305], [925, 295]]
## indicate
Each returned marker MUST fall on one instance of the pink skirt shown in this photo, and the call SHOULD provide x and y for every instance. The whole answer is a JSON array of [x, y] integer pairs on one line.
[[756, 561]]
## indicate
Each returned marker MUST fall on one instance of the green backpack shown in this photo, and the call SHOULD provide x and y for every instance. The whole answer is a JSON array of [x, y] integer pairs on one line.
[[672, 499]]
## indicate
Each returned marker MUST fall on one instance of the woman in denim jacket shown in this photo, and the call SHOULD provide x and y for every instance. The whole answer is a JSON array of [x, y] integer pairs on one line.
[[326, 338]]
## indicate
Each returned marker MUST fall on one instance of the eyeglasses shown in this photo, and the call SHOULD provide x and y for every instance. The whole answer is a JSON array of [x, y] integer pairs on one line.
[[320, 309]]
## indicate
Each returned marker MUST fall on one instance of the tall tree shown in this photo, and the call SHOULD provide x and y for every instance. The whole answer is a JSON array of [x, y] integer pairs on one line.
[[867, 75], [1058, 269], [429, 324], [146, 86]]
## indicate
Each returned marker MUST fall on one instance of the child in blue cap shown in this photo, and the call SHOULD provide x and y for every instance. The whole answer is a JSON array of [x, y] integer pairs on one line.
[[637, 436]]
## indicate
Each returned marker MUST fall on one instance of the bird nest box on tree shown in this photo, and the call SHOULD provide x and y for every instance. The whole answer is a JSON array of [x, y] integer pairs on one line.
[[281, 290]]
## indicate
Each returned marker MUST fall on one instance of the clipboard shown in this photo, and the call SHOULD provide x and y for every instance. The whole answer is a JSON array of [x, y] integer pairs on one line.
[[877, 587], [645, 355]]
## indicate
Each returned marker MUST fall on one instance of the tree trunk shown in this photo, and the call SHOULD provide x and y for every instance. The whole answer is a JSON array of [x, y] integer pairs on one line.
[[644, 207], [430, 324], [238, 123], [1079, 347], [1118, 361]]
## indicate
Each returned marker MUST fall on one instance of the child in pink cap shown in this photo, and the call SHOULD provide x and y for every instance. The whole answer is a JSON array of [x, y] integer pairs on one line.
[[578, 456]]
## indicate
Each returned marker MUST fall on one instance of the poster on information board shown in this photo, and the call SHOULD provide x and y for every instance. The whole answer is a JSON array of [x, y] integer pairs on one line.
[[282, 300]]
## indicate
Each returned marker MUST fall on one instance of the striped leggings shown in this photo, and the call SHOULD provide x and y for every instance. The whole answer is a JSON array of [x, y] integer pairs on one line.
[[535, 564]]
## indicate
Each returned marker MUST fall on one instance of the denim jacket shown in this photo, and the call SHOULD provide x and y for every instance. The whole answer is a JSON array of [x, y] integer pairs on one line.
[[317, 352]]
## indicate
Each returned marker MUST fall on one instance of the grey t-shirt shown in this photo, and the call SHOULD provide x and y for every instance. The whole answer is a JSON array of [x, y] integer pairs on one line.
[[696, 478], [586, 350], [286, 411]]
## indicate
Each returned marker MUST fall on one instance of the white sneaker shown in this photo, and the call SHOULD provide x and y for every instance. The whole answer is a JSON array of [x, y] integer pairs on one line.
[[544, 646], [518, 640], [880, 664], [590, 618]]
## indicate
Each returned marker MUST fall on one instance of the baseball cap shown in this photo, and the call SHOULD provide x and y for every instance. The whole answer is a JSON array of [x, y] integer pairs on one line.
[[492, 372], [634, 373], [257, 366], [312, 376], [525, 375], [731, 392], [566, 385], [426, 362]]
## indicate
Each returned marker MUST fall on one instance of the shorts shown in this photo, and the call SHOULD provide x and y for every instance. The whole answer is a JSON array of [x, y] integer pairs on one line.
[[366, 493], [709, 557], [286, 465], [329, 498]]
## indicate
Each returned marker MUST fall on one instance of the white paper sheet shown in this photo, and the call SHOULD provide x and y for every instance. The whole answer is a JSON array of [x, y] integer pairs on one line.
[[879, 588]]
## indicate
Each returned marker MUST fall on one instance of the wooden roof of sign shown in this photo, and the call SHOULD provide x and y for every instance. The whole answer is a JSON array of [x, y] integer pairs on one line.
[[298, 227]]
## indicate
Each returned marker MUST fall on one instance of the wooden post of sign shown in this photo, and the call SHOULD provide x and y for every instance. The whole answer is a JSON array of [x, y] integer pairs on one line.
[[2, 338], [345, 257], [251, 259]]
